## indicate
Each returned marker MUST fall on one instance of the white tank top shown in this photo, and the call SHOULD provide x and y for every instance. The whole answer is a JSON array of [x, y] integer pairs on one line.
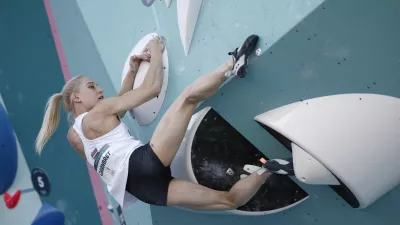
[[109, 156]]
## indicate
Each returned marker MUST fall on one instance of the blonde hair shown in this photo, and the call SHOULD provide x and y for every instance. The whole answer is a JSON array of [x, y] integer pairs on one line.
[[52, 112]]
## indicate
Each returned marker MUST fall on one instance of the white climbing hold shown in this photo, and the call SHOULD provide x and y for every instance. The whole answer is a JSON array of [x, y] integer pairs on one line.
[[251, 168], [242, 176], [230, 172], [258, 52]]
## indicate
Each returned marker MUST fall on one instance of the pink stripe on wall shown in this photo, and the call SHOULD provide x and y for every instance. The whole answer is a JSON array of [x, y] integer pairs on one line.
[[99, 194]]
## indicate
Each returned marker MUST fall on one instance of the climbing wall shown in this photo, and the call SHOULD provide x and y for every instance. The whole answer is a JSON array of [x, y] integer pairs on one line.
[[27, 203], [308, 49], [30, 72]]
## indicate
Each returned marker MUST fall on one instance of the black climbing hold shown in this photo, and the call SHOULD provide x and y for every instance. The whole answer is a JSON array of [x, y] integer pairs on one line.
[[40, 181]]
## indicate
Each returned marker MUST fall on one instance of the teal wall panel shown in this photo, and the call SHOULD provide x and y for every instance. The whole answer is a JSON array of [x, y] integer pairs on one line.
[[30, 73], [310, 49]]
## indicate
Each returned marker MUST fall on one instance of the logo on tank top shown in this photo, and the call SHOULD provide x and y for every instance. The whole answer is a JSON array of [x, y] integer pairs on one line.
[[94, 152], [98, 155]]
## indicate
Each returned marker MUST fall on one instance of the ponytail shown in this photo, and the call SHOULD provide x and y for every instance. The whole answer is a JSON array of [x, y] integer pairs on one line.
[[50, 121]]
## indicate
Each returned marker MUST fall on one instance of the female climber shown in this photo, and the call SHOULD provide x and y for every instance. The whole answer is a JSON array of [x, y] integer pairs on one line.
[[143, 170]]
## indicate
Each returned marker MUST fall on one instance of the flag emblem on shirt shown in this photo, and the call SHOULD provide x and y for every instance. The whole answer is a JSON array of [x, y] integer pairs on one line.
[[94, 152]]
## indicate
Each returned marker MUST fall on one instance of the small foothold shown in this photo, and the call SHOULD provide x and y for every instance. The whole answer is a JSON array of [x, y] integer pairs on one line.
[[165, 67], [374, 83], [360, 98], [368, 87], [309, 39], [338, 63], [222, 93], [270, 52], [307, 103], [258, 52], [154, 112], [315, 35], [297, 30], [230, 172]]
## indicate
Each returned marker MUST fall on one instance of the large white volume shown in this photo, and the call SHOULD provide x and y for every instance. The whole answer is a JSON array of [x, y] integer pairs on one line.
[[188, 11], [355, 136], [308, 170]]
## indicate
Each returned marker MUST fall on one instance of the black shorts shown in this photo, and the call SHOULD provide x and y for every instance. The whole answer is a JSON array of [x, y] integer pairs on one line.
[[148, 178]]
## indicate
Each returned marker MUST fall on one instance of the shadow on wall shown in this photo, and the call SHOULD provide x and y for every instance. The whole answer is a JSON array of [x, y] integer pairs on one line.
[[339, 48]]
